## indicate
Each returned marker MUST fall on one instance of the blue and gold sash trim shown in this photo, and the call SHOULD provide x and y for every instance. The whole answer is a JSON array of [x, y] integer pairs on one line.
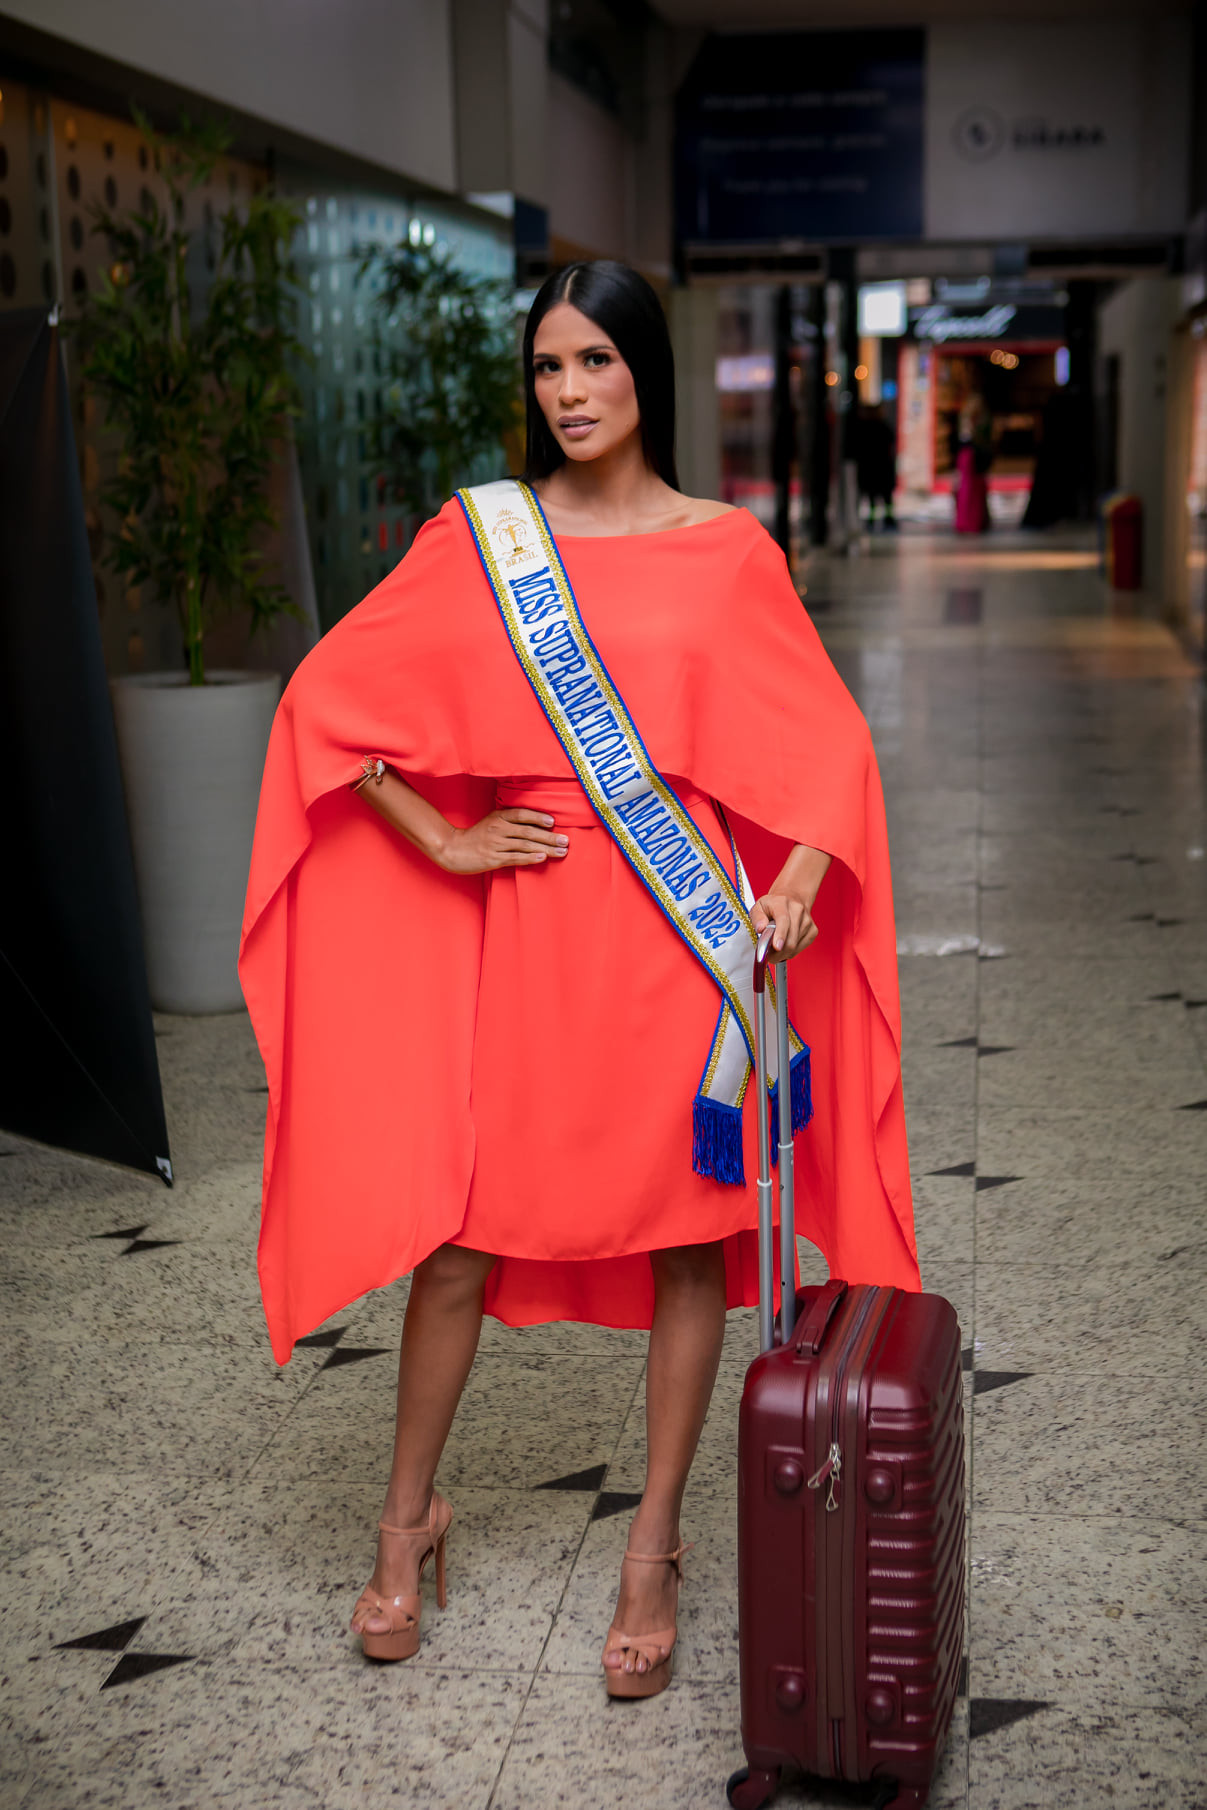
[[671, 856]]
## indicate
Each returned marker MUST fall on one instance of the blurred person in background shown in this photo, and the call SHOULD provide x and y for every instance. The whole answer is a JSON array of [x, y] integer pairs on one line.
[[876, 464], [974, 456]]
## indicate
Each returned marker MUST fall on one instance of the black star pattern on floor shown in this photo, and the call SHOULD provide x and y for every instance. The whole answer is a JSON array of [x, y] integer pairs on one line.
[[966, 1358], [354, 1354], [590, 1480], [984, 1382], [1137, 860], [1194, 1106], [974, 1043], [987, 1714], [614, 1502], [131, 1666], [136, 1242], [323, 1341], [106, 1640], [968, 1171], [1162, 998]]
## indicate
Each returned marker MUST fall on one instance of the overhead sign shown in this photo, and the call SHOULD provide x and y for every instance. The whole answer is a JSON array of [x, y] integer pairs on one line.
[[936, 323], [791, 136], [1057, 129], [1019, 323]]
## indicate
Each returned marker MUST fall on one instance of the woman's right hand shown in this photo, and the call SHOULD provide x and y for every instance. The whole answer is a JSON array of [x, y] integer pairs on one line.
[[510, 838]]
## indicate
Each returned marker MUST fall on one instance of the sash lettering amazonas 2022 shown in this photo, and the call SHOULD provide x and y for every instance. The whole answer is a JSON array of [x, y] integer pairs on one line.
[[662, 843]]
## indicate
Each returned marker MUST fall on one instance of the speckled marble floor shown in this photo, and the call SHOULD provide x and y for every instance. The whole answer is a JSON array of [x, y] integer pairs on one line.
[[185, 1528]]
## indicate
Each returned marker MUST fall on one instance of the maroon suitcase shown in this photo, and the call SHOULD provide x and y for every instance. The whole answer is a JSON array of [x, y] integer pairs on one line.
[[850, 1523]]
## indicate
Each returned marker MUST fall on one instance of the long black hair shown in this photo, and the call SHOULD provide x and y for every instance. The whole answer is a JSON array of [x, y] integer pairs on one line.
[[620, 301]]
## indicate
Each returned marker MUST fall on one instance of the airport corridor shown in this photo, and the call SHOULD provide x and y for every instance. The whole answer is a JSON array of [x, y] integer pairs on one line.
[[185, 1528]]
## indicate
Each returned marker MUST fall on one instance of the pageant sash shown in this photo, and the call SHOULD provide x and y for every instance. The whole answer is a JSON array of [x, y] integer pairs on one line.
[[671, 856]]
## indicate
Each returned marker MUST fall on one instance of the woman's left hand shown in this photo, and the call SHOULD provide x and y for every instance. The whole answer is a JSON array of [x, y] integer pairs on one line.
[[788, 903]]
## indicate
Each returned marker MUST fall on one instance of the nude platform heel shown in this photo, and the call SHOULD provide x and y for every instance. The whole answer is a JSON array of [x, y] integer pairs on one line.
[[401, 1640], [657, 1648]]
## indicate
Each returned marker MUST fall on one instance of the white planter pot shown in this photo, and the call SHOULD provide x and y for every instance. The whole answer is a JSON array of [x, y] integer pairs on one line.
[[192, 756]]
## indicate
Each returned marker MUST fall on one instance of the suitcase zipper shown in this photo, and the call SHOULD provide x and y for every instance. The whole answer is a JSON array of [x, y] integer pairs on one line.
[[831, 1472]]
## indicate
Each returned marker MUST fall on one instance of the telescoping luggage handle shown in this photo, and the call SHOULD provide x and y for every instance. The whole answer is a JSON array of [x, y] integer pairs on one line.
[[813, 1332], [786, 1155]]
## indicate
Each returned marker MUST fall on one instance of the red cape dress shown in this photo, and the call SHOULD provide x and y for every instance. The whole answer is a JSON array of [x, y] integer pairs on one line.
[[508, 1061]]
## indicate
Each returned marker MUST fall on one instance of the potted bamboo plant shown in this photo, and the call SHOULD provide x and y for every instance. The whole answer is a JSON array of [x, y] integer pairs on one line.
[[447, 340], [197, 389]]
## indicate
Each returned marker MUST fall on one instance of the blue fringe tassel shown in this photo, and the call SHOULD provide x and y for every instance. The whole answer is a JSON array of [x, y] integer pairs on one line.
[[801, 1085], [801, 1081], [717, 1141]]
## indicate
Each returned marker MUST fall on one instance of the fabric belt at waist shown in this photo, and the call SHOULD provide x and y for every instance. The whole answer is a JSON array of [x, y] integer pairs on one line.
[[565, 801]]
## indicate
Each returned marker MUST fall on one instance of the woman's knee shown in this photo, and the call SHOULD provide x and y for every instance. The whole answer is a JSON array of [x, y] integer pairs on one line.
[[453, 1271], [689, 1266]]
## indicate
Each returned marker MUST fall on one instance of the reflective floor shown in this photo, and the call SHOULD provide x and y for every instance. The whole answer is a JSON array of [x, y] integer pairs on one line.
[[184, 1528]]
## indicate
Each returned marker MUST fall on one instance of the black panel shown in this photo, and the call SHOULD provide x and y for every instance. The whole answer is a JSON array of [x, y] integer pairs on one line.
[[80, 1066]]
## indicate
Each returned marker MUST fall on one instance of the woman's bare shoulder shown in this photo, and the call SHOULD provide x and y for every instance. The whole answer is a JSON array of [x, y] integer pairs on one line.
[[705, 509]]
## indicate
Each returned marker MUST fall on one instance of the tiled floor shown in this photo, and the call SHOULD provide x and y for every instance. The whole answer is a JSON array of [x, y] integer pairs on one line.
[[185, 1528]]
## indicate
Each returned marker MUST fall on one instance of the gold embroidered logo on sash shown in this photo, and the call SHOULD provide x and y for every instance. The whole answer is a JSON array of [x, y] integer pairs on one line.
[[512, 535]]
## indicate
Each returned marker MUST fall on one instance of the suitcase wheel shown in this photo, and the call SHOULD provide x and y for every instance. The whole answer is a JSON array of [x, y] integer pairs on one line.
[[751, 1787]]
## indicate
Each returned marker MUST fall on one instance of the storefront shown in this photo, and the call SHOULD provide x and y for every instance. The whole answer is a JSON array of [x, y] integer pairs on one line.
[[966, 353]]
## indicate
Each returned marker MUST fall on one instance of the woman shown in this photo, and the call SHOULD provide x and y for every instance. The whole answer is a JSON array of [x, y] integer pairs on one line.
[[974, 456], [481, 1031]]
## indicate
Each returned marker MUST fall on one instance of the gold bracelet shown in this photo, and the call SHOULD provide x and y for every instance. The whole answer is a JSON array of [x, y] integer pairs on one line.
[[374, 769]]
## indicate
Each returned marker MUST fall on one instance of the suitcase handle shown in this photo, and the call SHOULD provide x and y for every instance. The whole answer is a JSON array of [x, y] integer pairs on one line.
[[762, 950], [827, 1304], [767, 1314]]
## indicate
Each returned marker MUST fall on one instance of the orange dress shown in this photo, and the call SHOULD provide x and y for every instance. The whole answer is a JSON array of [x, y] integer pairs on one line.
[[508, 1061]]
